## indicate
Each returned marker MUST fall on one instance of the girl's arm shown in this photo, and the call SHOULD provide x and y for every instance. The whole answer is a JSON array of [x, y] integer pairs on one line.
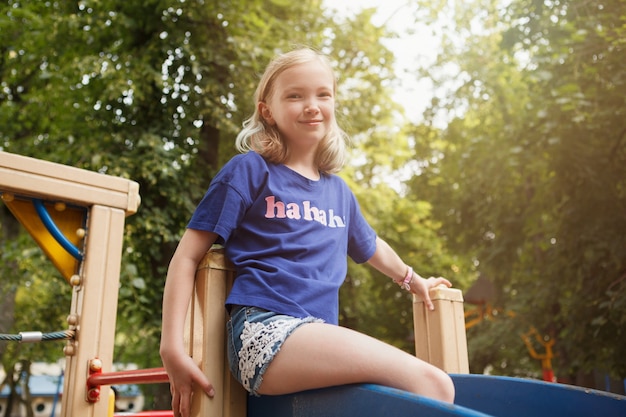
[[181, 369], [387, 261]]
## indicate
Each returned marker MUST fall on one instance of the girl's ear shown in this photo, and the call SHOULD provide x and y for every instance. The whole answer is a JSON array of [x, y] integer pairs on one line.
[[265, 112]]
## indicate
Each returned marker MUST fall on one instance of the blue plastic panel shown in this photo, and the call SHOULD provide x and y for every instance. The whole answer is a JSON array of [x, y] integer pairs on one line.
[[353, 401], [517, 397], [476, 395]]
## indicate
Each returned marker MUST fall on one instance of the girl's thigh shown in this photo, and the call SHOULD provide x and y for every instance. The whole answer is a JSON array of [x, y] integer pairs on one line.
[[320, 355]]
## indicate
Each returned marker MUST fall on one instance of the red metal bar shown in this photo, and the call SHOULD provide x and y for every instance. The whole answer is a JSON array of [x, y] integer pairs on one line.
[[139, 376]]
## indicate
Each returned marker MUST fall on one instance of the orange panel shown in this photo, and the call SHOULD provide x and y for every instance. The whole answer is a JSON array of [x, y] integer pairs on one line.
[[69, 220]]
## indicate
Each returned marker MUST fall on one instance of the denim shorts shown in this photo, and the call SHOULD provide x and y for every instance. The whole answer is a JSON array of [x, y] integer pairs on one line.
[[254, 336]]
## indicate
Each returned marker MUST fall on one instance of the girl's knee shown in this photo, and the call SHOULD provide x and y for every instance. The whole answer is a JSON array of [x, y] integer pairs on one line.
[[442, 385], [430, 381], [448, 390]]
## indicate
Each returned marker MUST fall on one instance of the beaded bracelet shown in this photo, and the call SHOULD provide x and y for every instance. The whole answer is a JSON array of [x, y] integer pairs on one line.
[[405, 283]]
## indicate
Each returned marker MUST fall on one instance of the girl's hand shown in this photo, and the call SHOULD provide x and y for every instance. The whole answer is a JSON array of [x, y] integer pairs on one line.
[[184, 374], [421, 287]]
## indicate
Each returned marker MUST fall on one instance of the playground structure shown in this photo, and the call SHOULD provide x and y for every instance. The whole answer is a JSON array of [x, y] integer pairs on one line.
[[85, 244], [94, 271]]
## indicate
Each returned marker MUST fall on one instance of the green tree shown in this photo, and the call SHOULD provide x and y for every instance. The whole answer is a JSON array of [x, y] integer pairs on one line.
[[529, 178]]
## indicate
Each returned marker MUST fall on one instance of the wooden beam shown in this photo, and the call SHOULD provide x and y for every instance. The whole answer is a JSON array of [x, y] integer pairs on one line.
[[32, 177]]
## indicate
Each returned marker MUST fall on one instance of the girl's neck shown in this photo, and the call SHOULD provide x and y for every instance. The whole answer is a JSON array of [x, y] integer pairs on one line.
[[310, 172], [304, 166]]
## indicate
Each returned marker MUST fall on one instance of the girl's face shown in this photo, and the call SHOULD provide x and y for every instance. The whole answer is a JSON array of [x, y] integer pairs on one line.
[[302, 105]]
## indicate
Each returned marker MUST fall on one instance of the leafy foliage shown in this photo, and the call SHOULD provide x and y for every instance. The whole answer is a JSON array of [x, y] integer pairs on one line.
[[530, 172]]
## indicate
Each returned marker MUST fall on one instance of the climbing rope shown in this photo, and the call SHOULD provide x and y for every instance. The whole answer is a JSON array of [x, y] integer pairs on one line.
[[24, 337]]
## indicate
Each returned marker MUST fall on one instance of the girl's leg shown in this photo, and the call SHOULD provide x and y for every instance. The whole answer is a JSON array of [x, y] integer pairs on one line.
[[318, 355]]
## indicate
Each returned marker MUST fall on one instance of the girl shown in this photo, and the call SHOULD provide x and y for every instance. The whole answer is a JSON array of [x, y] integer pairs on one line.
[[287, 223]]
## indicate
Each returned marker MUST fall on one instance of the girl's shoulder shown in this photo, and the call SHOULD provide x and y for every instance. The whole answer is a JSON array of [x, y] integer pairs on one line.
[[247, 174], [249, 158], [242, 165]]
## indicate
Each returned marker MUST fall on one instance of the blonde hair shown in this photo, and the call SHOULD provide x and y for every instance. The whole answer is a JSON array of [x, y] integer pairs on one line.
[[259, 136]]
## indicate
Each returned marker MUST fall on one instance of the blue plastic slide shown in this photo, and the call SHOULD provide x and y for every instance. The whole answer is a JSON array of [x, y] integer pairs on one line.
[[516, 397], [476, 396], [353, 401]]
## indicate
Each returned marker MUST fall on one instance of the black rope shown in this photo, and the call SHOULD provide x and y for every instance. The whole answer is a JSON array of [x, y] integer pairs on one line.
[[24, 337]]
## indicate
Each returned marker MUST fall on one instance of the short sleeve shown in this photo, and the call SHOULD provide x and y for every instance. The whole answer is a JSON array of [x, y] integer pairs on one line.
[[229, 196], [220, 211], [361, 237]]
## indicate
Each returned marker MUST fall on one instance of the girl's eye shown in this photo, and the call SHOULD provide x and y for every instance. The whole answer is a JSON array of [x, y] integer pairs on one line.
[[293, 96]]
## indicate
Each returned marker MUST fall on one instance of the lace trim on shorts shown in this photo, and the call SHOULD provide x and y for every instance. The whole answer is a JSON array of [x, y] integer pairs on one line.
[[258, 348]]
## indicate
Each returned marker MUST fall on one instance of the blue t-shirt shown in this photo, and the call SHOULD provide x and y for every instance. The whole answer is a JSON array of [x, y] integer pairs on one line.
[[288, 236]]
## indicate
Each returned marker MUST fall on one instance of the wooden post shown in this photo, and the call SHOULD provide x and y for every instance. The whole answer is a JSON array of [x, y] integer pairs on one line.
[[206, 333], [440, 334], [94, 312]]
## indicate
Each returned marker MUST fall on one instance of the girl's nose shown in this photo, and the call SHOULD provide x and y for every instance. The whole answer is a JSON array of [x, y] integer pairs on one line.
[[311, 108]]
